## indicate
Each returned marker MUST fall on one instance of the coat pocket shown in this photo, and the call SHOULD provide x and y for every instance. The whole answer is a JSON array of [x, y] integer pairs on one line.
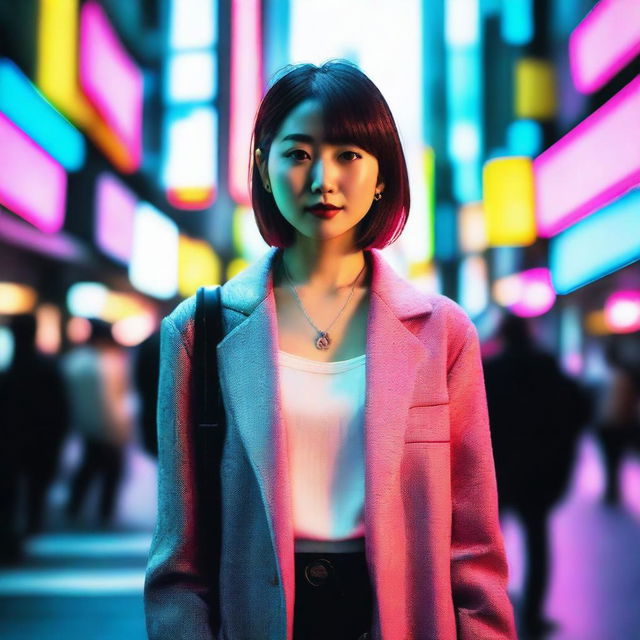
[[428, 423]]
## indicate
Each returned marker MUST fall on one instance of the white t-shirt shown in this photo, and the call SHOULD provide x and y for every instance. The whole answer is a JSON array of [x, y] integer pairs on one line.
[[323, 409]]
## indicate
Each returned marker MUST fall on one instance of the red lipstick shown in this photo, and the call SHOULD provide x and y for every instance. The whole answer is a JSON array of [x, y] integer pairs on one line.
[[323, 210]]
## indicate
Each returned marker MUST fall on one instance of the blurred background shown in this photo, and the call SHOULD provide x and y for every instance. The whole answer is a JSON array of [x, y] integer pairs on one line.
[[124, 151]]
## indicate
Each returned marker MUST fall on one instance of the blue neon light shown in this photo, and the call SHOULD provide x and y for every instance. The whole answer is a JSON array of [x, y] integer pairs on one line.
[[524, 138], [597, 245], [29, 110], [517, 21]]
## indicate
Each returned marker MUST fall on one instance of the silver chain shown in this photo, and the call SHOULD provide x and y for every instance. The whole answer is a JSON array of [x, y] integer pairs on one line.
[[286, 271]]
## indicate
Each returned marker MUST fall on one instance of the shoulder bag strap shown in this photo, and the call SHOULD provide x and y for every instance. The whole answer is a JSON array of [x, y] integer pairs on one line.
[[209, 439]]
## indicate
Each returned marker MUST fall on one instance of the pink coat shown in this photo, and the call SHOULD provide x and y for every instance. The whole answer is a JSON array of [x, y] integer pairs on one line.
[[433, 543]]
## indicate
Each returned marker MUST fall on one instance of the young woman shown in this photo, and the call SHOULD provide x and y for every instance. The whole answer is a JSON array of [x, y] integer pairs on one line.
[[359, 492]]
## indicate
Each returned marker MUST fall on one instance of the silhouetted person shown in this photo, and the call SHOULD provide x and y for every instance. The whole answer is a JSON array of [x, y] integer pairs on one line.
[[34, 422], [146, 373], [536, 415], [619, 425], [98, 384]]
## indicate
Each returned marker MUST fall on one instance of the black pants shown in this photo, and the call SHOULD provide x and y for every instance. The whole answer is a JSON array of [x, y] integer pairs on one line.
[[101, 460], [334, 596]]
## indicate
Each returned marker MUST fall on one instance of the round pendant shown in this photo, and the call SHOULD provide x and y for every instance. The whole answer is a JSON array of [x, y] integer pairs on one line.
[[323, 341]]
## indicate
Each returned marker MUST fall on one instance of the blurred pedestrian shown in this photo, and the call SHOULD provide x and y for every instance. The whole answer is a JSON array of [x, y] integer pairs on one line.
[[34, 423], [536, 414], [146, 375], [619, 424], [98, 386]]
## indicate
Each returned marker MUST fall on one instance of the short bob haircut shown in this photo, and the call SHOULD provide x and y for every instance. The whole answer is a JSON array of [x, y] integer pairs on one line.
[[355, 112]]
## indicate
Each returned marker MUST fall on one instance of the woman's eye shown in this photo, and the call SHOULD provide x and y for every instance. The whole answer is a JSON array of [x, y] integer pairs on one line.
[[295, 154], [291, 154]]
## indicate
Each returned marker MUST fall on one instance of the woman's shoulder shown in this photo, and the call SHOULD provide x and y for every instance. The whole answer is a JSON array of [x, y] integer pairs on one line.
[[181, 319], [447, 312]]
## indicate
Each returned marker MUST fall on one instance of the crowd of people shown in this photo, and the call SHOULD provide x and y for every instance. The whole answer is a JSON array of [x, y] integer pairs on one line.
[[537, 415]]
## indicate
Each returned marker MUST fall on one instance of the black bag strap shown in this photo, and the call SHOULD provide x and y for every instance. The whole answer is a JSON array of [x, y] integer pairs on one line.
[[209, 427]]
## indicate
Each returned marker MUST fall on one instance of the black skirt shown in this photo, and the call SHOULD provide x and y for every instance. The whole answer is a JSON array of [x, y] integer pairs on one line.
[[334, 597]]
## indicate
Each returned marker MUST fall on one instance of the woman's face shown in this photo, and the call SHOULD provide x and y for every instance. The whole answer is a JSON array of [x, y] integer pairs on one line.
[[303, 171]]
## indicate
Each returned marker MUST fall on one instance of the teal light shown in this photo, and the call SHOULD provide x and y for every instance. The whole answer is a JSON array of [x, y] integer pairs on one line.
[[517, 21], [27, 108], [597, 245], [524, 138]]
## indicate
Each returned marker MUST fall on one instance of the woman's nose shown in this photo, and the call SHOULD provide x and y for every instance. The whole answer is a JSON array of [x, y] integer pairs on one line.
[[322, 176]]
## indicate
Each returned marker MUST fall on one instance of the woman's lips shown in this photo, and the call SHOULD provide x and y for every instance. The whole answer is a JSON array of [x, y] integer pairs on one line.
[[324, 213]]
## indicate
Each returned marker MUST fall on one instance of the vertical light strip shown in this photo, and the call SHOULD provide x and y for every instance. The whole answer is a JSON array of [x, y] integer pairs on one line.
[[246, 91], [190, 140], [464, 97], [517, 21], [57, 58]]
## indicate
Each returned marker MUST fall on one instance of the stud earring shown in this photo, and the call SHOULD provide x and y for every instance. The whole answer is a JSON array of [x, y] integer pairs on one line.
[[377, 196], [267, 187]]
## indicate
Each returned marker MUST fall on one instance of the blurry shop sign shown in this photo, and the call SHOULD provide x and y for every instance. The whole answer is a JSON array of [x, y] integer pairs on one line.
[[25, 106], [32, 184], [593, 164], [606, 40], [598, 245]]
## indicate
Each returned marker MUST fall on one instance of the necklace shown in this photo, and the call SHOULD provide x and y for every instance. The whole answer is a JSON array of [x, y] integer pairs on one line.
[[322, 340]]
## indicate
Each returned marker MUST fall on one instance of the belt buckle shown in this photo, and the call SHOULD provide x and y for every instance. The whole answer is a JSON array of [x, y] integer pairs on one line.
[[318, 572]]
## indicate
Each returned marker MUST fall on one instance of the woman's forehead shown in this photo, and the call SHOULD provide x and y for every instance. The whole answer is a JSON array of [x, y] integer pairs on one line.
[[305, 124]]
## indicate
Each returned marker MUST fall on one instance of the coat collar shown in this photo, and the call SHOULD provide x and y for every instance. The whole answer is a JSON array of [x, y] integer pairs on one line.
[[246, 290], [250, 382]]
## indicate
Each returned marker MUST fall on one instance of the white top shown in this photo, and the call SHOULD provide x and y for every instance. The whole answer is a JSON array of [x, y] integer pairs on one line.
[[323, 410]]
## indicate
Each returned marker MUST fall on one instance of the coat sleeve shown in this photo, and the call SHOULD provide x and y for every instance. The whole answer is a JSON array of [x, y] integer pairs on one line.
[[176, 590], [479, 571]]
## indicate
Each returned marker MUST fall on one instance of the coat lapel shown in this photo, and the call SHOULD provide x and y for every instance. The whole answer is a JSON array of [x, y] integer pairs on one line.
[[248, 366]]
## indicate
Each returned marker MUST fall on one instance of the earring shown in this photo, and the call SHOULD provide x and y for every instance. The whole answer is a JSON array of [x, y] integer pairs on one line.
[[378, 196], [267, 187]]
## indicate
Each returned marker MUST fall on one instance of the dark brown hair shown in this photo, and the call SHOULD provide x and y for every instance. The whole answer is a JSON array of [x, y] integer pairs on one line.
[[354, 111]]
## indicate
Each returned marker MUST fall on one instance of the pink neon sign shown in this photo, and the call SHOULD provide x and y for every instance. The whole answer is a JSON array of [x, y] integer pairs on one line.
[[115, 214], [32, 184], [111, 79], [604, 42], [246, 91], [595, 163]]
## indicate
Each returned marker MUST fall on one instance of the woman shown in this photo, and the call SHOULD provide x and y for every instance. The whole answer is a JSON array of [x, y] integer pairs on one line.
[[359, 494]]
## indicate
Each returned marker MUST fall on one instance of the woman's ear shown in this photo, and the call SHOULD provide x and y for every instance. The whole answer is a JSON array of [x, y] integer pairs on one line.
[[380, 185], [260, 162]]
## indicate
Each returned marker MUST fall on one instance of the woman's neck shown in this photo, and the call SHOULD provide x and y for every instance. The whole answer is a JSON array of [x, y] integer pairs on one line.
[[323, 271]]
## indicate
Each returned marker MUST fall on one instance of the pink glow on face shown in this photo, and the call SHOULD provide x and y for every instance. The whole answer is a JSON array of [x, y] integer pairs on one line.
[[536, 293], [246, 91], [622, 311], [111, 79], [595, 163], [604, 42], [115, 213], [32, 184]]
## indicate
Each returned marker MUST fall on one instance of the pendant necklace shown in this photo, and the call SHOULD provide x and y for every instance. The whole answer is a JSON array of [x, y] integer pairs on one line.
[[322, 340]]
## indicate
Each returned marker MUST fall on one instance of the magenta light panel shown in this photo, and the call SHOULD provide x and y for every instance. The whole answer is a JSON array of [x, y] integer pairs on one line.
[[32, 184], [596, 162], [110, 78], [604, 42], [115, 214]]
